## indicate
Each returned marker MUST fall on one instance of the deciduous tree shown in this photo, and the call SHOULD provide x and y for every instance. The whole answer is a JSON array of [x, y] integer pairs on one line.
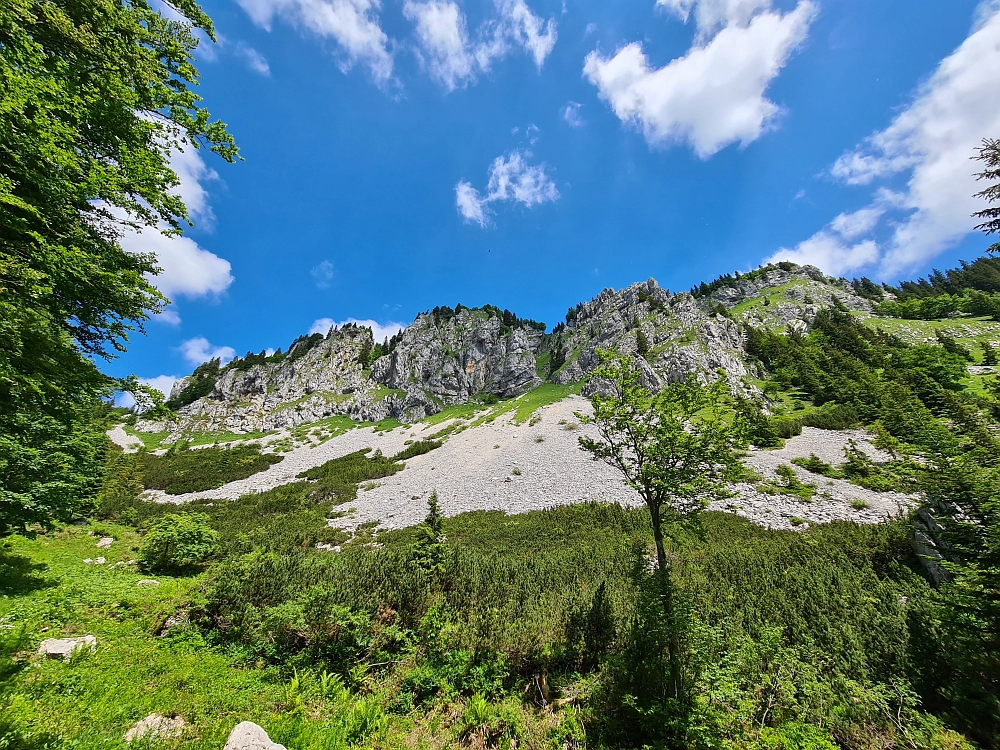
[[676, 448]]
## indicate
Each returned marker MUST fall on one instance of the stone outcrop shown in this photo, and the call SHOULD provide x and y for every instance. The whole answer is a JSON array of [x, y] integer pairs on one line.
[[679, 335], [441, 362]]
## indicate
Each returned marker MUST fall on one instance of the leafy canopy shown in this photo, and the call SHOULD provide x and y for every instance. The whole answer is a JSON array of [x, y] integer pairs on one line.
[[96, 95], [675, 447]]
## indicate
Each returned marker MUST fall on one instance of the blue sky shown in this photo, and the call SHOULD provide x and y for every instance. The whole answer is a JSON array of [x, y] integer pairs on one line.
[[529, 153]]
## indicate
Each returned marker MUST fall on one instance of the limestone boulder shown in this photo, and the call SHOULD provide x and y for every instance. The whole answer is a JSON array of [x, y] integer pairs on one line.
[[64, 648], [248, 736], [156, 726]]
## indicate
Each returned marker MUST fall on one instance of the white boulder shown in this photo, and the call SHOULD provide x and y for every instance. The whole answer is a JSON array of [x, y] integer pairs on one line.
[[248, 736], [105, 542], [64, 648], [156, 726]]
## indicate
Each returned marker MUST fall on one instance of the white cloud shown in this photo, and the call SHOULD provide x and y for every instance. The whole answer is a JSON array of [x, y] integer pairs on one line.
[[713, 95], [254, 60], [524, 28], [470, 203], [352, 24], [854, 225], [511, 179], [832, 249], [380, 331], [324, 273], [192, 172], [187, 269], [162, 383], [169, 316], [441, 32], [454, 60], [571, 114], [198, 350], [322, 325], [711, 15], [931, 142]]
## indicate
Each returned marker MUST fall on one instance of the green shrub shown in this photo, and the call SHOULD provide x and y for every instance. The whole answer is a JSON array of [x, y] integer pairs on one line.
[[861, 470], [182, 469], [786, 427], [179, 543], [816, 465], [417, 449]]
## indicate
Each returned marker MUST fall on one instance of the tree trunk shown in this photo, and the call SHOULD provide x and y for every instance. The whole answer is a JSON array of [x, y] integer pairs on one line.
[[667, 598]]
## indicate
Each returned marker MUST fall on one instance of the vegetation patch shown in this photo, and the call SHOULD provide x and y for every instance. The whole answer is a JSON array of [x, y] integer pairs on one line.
[[183, 469]]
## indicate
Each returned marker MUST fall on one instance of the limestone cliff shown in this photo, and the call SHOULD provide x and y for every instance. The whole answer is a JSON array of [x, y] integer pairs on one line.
[[448, 357]]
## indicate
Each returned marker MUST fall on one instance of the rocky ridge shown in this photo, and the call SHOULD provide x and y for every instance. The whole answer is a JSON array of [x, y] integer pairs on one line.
[[447, 357]]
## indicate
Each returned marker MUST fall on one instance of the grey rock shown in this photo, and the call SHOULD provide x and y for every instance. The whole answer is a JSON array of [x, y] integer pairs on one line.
[[156, 726], [64, 648], [147, 582], [105, 542], [248, 736]]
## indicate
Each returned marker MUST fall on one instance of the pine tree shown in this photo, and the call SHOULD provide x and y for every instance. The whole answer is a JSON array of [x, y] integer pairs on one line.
[[430, 553], [641, 343], [989, 354]]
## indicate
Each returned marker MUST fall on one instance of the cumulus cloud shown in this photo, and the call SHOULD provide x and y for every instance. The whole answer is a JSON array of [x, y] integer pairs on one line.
[[444, 41], [353, 24], [168, 316], [324, 273], [470, 203], [930, 142], [187, 269], [833, 248], [712, 15], [198, 351], [380, 331], [714, 95], [571, 114], [454, 60], [853, 225], [511, 179]]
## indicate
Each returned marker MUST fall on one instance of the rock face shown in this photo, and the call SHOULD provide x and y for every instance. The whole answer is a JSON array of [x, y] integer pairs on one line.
[[685, 334], [248, 736], [64, 648], [316, 379], [156, 726], [448, 357], [443, 361], [672, 336]]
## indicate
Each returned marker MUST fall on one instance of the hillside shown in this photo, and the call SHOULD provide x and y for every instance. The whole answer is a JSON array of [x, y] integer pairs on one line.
[[364, 545]]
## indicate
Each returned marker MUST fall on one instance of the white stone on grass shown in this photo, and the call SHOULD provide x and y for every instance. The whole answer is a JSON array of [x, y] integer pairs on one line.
[[64, 648], [156, 726], [248, 736]]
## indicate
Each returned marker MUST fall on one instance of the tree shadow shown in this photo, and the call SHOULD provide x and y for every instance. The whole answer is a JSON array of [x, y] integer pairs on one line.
[[20, 575], [636, 696]]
